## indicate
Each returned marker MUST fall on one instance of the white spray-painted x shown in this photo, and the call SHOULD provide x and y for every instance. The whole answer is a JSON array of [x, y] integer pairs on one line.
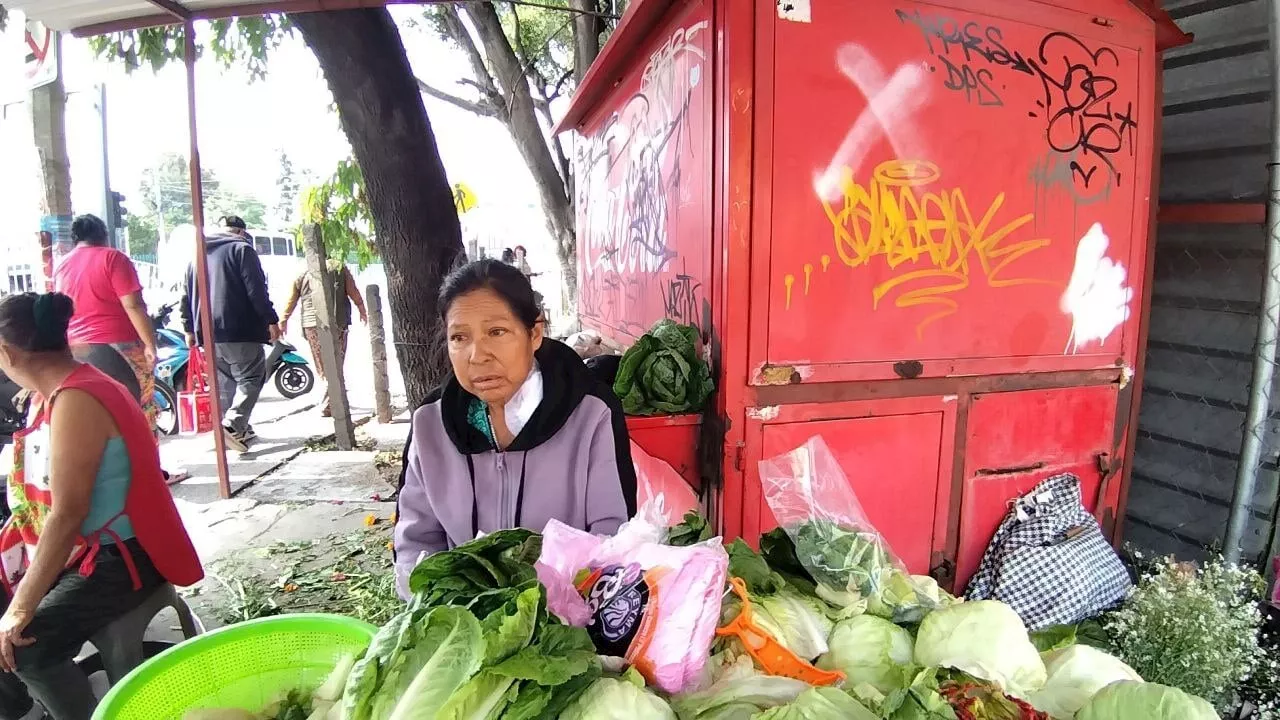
[[891, 104]]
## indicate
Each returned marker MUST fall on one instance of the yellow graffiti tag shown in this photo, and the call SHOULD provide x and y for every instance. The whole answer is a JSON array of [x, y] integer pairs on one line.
[[933, 237]]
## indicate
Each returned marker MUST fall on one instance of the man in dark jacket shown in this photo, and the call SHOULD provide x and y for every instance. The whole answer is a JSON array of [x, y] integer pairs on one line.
[[243, 321]]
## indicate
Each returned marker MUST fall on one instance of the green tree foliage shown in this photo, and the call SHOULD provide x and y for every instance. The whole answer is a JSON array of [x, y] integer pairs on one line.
[[165, 196], [339, 208], [242, 42], [144, 237]]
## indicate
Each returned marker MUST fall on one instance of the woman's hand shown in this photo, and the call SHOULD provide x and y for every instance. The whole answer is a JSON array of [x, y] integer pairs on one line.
[[12, 625], [149, 352]]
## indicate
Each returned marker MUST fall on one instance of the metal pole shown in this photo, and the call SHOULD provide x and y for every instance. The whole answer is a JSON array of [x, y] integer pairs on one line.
[[108, 197], [1264, 353], [202, 269]]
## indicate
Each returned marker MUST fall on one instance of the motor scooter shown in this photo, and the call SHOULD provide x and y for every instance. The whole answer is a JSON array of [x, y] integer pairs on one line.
[[291, 373]]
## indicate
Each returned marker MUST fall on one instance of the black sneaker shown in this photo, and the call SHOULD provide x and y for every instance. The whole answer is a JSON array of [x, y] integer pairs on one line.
[[234, 440]]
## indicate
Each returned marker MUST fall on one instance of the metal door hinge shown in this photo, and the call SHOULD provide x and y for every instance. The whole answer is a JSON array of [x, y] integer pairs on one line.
[[739, 456]]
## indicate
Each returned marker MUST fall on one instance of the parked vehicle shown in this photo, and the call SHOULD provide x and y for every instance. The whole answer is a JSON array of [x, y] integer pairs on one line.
[[290, 371], [293, 375]]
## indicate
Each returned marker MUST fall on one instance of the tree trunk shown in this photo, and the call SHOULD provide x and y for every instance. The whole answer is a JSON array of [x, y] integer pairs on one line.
[[415, 223], [530, 140], [586, 36]]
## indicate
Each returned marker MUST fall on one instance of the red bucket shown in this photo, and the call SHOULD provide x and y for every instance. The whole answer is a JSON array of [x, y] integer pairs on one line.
[[195, 407]]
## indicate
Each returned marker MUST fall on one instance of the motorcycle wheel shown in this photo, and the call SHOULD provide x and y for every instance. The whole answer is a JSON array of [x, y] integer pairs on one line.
[[294, 381], [166, 401]]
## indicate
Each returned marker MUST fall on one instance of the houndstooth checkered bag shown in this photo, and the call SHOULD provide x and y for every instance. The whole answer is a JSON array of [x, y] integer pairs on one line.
[[1049, 560]]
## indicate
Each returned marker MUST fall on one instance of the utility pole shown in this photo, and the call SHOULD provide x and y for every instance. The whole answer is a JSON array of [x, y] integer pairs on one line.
[[48, 121]]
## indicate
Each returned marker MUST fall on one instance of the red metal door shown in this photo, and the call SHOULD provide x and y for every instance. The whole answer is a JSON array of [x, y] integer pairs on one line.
[[896, 456], [1015, 440], [936, 197]]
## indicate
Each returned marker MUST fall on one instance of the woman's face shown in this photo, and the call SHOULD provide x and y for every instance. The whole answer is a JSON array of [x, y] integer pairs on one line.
[[490, 349]]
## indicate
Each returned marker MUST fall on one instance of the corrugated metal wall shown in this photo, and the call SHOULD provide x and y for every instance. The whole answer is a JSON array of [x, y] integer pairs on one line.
[[1207, 288]]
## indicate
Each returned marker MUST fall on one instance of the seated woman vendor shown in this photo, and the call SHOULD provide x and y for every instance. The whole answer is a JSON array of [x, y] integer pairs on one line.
[[94, 530], [522, 432]]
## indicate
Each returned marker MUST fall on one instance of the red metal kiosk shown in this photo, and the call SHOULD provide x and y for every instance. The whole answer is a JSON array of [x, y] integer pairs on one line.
[[920, 230]]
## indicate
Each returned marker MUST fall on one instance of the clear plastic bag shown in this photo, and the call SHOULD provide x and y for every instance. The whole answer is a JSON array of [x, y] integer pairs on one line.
[[833, 540]]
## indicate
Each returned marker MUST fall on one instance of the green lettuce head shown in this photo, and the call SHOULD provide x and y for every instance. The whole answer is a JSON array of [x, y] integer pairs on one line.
[[985, 639], [1129, 700], [870, 650]]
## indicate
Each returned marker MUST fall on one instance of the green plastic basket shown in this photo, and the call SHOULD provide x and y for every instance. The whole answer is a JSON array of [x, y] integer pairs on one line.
[[244, 666]]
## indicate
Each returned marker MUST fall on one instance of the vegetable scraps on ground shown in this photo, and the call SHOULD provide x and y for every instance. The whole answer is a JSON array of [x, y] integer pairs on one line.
[[663, 372], [624, 628]]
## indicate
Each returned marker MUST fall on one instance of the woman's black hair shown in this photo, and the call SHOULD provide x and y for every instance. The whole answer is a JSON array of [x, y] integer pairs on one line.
[[508, 255], [90, 230], [508, 282], [36, 323]]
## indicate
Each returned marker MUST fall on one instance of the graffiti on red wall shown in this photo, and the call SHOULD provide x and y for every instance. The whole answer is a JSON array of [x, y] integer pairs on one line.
[[933, 241], [632, 190], [1089, 118]]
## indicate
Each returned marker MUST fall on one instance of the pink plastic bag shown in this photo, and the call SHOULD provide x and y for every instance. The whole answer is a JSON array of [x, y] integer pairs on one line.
[[655, 478], [654, 605]]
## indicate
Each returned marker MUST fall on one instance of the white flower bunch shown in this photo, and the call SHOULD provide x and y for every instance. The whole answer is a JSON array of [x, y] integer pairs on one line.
[[1193, 627]]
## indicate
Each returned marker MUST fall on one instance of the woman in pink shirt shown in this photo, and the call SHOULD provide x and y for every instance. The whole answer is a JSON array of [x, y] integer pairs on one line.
[[107, 297]]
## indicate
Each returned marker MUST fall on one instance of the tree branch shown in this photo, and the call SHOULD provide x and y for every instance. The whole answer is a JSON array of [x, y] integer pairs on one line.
[[559, 88], [484, 82], [482, 108]]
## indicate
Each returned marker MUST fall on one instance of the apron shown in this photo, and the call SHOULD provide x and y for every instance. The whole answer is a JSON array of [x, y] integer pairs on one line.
[[29, 500]]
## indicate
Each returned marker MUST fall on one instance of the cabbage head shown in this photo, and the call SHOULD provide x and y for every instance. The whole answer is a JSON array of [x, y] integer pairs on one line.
[[872, 651], [799, 622], [618, 699], [820, 703], [1076, 674], [1128, 700], [985, 639]]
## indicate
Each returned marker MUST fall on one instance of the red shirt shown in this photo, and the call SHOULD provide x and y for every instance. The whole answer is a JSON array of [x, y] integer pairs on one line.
[[95, 278]]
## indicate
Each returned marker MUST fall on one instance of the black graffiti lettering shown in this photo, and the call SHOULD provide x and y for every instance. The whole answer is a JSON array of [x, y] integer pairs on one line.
[[680, 301], [974, 45], [1001, 56], [975, 84], [1079, 104]]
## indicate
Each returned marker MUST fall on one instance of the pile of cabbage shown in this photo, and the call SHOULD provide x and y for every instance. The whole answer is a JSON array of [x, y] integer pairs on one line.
[[907, 650], [482, 641]]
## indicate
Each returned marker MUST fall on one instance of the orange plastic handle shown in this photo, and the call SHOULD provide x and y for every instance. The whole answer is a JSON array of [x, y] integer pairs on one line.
[[774, 658]]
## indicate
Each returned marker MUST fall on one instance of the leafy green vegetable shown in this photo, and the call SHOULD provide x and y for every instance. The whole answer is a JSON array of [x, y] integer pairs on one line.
[[820, 703], [617, 699], [920, 701], [1054, 638], [1128, 700], [1076, 674], [851, 570], [483, 575], [418, 660], [985, 639], [691, 531], [663, 373], [871, 650], [739, 691]]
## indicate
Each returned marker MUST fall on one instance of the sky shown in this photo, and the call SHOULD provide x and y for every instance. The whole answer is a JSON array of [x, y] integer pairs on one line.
[[242, 125]]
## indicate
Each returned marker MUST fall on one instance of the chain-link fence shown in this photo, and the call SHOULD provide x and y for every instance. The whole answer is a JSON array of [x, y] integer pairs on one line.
[[1208, 295]]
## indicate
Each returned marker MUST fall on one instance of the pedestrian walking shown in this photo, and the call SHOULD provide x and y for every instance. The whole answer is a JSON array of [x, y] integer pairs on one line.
[[345, 293], [243, 320]]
